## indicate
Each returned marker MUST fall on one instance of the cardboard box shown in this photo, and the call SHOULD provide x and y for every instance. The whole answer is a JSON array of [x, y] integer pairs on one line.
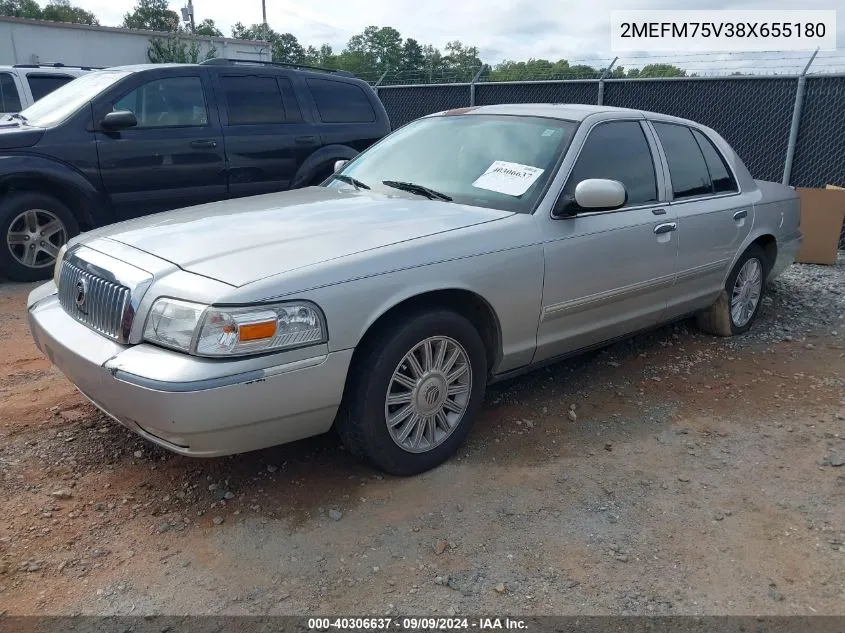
[[822, 214]]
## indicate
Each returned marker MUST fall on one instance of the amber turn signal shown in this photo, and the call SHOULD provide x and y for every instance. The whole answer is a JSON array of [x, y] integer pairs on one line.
[[256, 331]]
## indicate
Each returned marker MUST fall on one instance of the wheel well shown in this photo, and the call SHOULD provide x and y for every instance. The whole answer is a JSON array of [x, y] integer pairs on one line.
[[770, 248], [323, 171], [466, 303], [63, 193]]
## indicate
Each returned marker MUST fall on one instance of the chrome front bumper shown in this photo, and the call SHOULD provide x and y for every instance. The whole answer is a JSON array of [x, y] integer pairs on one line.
[[219, 415]]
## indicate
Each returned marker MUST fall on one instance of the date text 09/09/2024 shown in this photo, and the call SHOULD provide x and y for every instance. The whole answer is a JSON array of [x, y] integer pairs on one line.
[[414, 624]]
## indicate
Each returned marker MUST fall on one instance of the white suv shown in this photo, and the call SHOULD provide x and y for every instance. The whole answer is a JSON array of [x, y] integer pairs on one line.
[[22, 85]]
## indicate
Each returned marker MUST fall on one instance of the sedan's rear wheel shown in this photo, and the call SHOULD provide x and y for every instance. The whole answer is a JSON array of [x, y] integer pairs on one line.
[[414, 391], [737, 307]]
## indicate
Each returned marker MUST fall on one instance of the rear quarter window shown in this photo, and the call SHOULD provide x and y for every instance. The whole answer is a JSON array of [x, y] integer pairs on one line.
[[341, 102], [40, 85], [10, 101]]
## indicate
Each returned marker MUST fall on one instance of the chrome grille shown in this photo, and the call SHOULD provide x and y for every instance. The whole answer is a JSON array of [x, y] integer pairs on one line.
[[103, 303]]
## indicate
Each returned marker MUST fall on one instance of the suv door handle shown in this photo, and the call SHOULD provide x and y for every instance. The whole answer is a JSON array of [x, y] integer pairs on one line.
[[741, 214], [665, 228], [306, 140], [203, 144]]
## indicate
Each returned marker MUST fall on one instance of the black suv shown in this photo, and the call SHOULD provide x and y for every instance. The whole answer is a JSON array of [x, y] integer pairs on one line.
[[134, 140]]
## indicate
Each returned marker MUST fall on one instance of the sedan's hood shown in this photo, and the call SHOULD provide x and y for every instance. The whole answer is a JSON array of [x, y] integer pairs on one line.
[[247, 239], [13, 135]]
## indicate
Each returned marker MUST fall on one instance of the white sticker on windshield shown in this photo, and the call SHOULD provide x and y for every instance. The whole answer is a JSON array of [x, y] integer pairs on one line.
[[511, 179], [548, 132]]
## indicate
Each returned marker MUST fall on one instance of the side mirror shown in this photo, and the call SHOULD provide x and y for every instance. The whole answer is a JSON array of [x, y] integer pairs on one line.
[[593, 194], [339, 164], [119, 120]]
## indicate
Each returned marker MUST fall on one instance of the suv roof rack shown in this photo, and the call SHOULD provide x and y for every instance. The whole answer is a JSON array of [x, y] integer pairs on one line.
[[225, 61], [57, 65]]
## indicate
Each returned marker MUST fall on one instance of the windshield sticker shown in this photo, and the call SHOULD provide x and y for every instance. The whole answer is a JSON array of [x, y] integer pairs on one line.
[[511, 179], [548, 133]]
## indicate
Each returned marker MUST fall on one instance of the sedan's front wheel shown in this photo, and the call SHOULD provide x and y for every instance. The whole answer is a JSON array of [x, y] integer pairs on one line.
[[414, 392]]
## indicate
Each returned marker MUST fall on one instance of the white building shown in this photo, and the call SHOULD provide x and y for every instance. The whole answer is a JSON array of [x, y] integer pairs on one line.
[[39, 42]]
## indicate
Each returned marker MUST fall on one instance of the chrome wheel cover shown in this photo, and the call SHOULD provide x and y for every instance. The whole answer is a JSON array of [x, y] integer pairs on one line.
[[428, 394], [746, 292]]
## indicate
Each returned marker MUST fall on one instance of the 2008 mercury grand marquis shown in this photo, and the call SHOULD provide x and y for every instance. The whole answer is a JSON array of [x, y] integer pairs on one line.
[[465, 247]]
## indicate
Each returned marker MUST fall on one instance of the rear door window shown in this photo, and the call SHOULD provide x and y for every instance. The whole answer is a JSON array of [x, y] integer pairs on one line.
[[40, 85], [10, 101], [687, 168], [341, 102], [253, 100]]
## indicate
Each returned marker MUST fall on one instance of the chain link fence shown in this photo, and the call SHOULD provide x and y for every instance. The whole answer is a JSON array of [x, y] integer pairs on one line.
[[753, 113]]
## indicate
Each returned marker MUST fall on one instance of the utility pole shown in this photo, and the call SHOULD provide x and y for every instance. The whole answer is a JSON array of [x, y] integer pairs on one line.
[[264, 17], [188, 16]]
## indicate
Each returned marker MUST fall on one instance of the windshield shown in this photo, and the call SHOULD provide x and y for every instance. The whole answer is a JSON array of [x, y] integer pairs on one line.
[[496, 161], [65, 101]]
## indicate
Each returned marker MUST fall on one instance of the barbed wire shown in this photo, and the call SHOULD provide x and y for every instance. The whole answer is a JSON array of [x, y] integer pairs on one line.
[[775, 63]]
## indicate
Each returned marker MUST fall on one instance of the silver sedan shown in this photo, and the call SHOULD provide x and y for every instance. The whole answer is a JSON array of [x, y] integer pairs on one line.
[[465, 247]]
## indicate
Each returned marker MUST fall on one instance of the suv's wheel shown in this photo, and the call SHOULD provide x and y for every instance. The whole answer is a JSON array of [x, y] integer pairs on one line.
[[33, 227], [737, 307], [414, 392]]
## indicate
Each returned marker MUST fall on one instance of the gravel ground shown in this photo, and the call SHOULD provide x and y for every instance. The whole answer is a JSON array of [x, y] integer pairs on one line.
[[674, 473]]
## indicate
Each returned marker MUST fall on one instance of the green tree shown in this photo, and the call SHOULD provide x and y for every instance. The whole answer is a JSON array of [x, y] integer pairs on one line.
[[152, 15], [20, 9], [176, 50], [286, 48], [64, 11], [460, 62], [208, 28], [660, 70], [539, 69], [412, 65]]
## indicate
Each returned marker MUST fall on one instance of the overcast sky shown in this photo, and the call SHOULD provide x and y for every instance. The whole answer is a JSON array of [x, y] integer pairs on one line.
[[502, 29]]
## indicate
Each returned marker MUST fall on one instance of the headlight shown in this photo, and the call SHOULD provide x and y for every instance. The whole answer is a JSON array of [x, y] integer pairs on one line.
[[172, 323], [208, 331], [57, 271]]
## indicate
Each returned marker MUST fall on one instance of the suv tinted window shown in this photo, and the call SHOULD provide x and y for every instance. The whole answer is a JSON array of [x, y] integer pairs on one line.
[[687, 168], [252, 100], [341, 102], [169, 102], [618, 151], [42, 85], [720, 175], [9, 99]]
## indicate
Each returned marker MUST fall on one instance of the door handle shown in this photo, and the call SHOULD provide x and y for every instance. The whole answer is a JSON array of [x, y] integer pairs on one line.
[[665, 228], [305, 140], [203, 144], [659, 211], [741, 214]]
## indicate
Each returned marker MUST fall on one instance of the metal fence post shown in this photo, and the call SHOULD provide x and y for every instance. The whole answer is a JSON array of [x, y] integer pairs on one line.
[[796, 120], [472, 86], [600, 100], [380, 79]]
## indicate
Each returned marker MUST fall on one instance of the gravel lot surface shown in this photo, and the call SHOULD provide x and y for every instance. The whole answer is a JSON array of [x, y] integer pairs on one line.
[[675, 473]]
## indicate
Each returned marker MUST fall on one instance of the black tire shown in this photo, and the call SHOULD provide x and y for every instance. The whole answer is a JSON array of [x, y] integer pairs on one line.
[[719, 319], [11, 209], [362, 424]]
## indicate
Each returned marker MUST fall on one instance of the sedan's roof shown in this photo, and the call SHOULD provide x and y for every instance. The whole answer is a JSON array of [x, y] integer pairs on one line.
[[567, 111]]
